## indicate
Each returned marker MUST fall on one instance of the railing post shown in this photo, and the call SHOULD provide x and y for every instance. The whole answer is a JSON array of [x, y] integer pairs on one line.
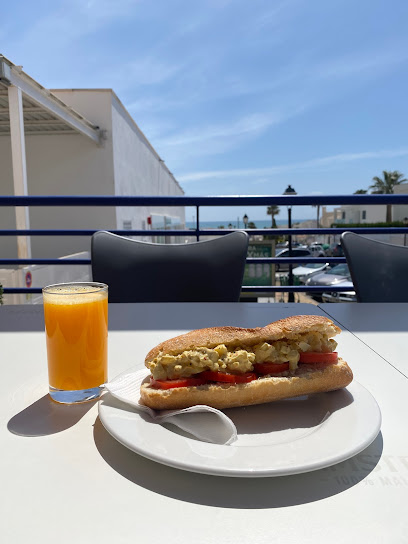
[[291, 295], [197, 223]]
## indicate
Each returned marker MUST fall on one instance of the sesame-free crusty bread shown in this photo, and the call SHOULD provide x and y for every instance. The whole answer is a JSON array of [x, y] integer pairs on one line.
[[262, 390], [233, 337], [307, 379]]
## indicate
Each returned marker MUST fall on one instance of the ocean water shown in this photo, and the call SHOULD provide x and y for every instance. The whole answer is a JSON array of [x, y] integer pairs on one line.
[[260, 224]]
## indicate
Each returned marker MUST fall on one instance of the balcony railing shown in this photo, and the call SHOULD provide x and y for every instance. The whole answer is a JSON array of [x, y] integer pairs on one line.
[[198, 203]]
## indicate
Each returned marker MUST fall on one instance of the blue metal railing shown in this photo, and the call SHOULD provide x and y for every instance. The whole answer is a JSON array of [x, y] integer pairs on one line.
[[198, 202]]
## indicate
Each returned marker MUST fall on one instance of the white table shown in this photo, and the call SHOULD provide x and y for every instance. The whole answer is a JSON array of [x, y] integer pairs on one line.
[[381, 326], [65, 479]]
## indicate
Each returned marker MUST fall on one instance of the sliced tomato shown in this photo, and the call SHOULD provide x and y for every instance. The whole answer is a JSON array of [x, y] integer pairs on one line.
[[328, 358], [225, 377], [270, 368], [181, 382]]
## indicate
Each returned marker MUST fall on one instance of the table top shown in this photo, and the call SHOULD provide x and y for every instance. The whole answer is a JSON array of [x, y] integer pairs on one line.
[[381, 326], [64, 477]]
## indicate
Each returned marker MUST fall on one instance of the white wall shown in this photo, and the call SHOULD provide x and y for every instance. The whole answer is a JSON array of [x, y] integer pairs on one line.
[[400, 212], [63, 165], [42, 275], [125, 164], [374, 214], [139, 170], [354, 214]]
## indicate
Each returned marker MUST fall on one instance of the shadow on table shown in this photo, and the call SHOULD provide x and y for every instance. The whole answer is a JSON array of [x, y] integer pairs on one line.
[[306, 412], [45, 417], [240, 493]]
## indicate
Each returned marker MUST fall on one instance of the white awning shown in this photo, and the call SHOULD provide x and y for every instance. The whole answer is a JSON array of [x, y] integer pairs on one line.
[[43, 112]]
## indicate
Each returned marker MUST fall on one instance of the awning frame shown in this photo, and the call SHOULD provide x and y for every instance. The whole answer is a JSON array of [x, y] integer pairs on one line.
[[44, 101], [27, 108]]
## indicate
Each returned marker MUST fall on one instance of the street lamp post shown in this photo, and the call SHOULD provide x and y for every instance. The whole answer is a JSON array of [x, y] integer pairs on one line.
[[290, 191], [245, 220]]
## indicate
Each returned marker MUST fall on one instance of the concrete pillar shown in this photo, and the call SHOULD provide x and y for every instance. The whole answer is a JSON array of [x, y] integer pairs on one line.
[[19, 167]]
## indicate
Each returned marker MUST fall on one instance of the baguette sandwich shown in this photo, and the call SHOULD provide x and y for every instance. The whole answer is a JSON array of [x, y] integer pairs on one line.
[[226, 367]]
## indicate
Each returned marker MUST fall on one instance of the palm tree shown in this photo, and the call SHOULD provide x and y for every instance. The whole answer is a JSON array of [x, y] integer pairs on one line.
[[360, 192], [385, 186], [273, 210]]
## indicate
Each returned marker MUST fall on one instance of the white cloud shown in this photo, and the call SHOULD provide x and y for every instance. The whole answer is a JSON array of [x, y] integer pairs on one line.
[[62, 24], [147, 71], [320, 84], [273, 170], [218, 138], [79, 18], [299, 80], [363, 64], [250, 124], [182, 72], [276, 16]]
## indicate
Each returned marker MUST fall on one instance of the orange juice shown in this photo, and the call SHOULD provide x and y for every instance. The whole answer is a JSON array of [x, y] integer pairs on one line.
[[76, 325]]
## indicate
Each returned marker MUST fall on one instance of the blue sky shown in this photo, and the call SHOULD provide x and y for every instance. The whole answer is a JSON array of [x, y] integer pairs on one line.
[[237, 96]]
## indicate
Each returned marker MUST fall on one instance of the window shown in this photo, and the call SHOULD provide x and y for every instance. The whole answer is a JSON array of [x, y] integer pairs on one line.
[[343, 215], [363, 215], [339, 270]]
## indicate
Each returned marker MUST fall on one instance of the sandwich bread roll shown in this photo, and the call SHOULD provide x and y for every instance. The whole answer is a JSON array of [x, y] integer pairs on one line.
[[226, 367]]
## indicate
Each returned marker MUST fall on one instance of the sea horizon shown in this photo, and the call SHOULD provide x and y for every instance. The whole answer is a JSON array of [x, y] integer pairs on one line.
[[259, 223]]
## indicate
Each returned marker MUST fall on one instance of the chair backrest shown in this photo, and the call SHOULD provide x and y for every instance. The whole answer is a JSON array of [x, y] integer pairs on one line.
[[205, 271], [379, 271]]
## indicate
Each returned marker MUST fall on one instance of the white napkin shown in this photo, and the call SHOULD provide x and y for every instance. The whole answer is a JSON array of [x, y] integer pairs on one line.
[[204, 422]]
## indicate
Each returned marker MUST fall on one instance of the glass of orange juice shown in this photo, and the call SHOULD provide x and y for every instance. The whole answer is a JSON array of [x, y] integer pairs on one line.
[[76, 327]]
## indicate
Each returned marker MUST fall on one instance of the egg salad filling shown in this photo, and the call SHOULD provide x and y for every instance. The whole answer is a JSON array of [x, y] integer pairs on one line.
[[240, 359]]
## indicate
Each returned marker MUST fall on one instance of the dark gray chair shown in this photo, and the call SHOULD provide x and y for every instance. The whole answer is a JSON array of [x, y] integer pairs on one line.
[[379, 271], [135, 271]]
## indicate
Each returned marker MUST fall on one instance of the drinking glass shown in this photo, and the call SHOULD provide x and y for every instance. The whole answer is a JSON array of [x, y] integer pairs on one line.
[[76, 327]]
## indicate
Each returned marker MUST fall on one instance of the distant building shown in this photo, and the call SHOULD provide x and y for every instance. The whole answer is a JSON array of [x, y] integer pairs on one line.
[[327, 218], [74, 142], [359, 214], [369, 213], [375, 214]]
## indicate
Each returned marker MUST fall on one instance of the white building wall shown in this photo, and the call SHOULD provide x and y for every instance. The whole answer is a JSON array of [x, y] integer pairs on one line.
[[63, 165], [374, 214], [125, 164], [377, 214], [399, 213], [139, 171], [75, 167], [355, 214]]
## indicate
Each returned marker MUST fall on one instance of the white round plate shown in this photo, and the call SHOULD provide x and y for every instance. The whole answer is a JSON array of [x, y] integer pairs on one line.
[[275, 439]]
